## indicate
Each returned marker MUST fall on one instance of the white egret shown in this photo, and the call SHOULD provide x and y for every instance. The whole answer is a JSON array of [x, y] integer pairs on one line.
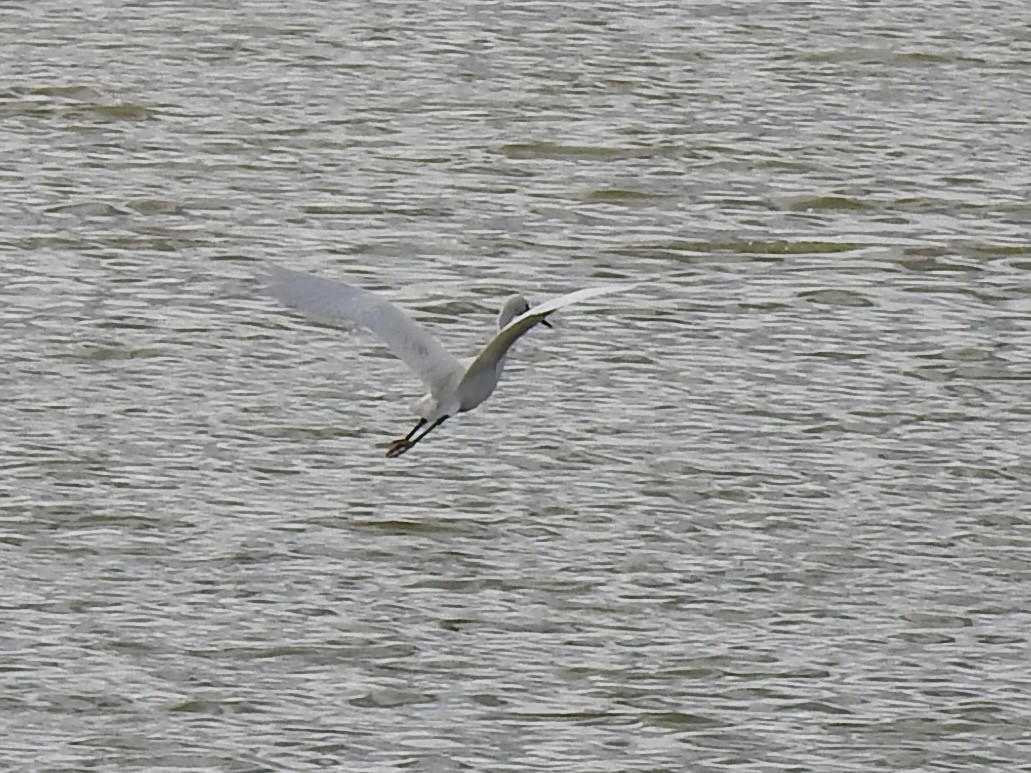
[[454, 387]]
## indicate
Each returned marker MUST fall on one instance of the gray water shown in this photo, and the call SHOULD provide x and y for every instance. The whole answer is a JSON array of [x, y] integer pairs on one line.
[[766, 511]]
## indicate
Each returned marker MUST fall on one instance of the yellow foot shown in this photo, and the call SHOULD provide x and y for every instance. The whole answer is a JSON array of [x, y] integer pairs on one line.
[[398, 447]]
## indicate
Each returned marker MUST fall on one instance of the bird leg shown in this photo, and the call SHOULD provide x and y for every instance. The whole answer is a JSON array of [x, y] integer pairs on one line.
[[401, 445]]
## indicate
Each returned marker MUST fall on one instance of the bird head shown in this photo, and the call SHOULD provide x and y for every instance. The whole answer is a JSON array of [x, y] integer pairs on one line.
[[515, 306]]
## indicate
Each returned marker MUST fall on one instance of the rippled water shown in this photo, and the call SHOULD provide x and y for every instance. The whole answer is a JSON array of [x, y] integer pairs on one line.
[[768, 511]]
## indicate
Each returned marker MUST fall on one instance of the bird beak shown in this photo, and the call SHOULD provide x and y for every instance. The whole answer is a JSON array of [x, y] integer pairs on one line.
[[547, 324]]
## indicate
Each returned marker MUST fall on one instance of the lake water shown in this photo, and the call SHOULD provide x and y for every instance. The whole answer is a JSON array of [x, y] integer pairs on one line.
[[766, 511]]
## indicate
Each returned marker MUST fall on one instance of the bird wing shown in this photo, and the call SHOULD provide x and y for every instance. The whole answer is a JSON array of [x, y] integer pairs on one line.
[[337, 302], [514, 330]]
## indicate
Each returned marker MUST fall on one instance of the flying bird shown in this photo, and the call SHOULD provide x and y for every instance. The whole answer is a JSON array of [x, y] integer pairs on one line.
[[454, 387]]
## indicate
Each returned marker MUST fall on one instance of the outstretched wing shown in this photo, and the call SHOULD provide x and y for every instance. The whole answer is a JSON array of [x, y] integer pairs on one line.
[[514, 330], [337, 302]]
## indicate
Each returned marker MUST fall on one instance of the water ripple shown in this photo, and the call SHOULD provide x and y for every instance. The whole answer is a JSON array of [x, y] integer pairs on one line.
[[766, 511]]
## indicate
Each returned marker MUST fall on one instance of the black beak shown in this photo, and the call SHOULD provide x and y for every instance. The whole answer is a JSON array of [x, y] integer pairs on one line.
[[547, 324]]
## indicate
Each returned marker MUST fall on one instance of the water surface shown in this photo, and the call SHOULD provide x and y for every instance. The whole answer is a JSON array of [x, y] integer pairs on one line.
[[767, 511]]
